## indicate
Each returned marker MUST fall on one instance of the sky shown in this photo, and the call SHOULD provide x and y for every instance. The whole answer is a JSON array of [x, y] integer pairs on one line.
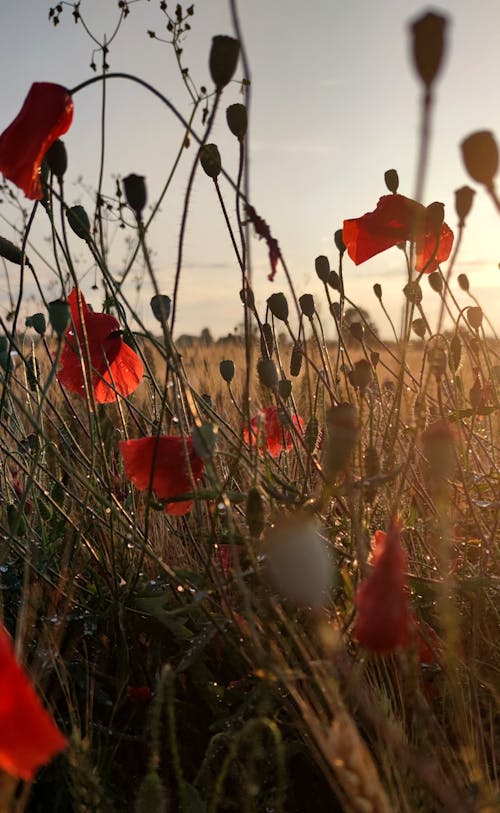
[[334, 103]]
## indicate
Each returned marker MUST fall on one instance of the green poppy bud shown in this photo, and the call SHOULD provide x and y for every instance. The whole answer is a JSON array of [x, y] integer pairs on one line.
[[306, 302], [57, 159], [37, 322], [296, 359], [79, 222], [134, 188], [268, 374], [227, 370], [334, 280], [391, 179], [278, 305], [210, 160], [236, 116], [322, 266], [160, 305], [285, 388], [223, 60]]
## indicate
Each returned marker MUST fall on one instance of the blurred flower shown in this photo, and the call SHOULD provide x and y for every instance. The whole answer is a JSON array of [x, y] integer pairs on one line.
[[46, 114], [396, 220], [115, 369], [170, 477], [269, 433], [29, 737], [383, 613], [140, 695]]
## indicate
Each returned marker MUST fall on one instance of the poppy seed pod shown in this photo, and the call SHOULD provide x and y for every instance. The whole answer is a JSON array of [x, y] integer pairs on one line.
[[37, 322], [285, 388], [57, 159], [78, 221], [10, 252], [306, 302], [475, 317], [160, 305], [59, 315], [339, 241], [210, 160], [413, 292], [236, 117], [266, 341], [463, 281], [419, 327], [322, 266], [357, 331], [334, 280], [134, 188], [247, 297], [463, 203], [223, 60], [268, 374], [391, 179], [296, 359], [428, 45], [278, 305], [480, 156], [435, 281], [227, 369], [377, 290], [374, 358]]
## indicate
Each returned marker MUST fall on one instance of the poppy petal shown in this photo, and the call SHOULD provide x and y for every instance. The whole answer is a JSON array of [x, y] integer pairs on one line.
[[266, 426], [46, 114], [29, 737]]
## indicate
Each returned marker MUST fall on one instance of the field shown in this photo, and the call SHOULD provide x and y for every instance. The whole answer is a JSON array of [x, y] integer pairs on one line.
[[259, 574]]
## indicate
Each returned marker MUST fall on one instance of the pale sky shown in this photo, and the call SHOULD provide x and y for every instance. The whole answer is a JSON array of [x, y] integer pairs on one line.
[[334, 103]]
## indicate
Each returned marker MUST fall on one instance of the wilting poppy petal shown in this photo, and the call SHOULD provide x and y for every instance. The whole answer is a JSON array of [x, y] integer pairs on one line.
[[171, 476], [383, 614], [46, 114], [396, 220], [266, 426], [29, 737], [115, 367]]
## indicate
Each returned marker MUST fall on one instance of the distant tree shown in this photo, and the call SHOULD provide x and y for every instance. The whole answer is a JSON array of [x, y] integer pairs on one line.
[[206, 337]]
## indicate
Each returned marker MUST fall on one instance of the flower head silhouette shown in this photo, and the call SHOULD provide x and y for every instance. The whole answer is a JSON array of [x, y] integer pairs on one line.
[[46, 114], [112, 368]]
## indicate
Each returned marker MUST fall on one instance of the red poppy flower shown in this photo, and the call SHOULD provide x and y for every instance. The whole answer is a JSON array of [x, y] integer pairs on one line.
[[395, 220], [46, 114], [114, 367], [29, 737], [268, 432], [383, 612], [171, 476]]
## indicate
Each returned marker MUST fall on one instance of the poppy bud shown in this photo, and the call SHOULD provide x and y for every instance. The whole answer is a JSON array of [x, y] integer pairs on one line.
[[335, 310], [236, 116], [391, 179], [480, 156], [377, 290], [463, 203], [160, 305], [285, 388], [311, 434], [296, 359], [476, 394], [475, 317], [268, 374], [419, 327], [255, 513], [78, 221], [134, 188], [339, 241], [10, 252], [57, 159], [306, 302], [37, 322], [210, 160], [278, 306], [6, 362], [463, 281], [357, 331], [334, 280], [374, 358], [428, 45], [322, 266], [434, 217], [247, 297], [59, 316], [455, 354], [32, 373], [343, 434], [435, 280], [226, 368], [362, 374], [413, 293], [223, 59], [266, 341]]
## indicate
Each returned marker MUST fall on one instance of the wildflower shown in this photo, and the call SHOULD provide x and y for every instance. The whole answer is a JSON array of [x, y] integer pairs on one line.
[[170, 476], [29, 737], [269, 433], [46, 114], [383, 613], [395, 220], [115, 369]]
